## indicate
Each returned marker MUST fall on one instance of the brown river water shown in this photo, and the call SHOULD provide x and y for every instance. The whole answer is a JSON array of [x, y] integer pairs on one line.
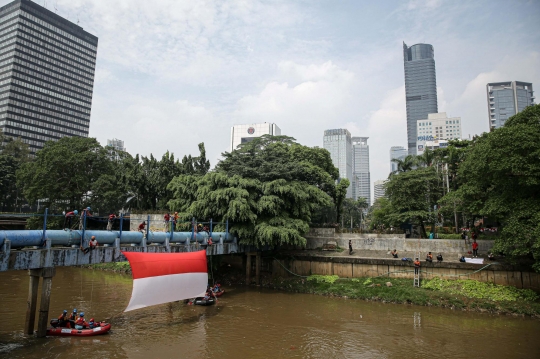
[[255, 323]]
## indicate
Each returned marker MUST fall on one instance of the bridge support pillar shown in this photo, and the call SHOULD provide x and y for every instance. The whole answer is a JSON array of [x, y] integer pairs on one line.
[[47, 274], [32, 301]]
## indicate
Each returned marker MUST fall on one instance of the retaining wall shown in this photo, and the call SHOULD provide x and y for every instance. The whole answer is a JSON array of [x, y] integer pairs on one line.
[[318, 237], [361, 267]]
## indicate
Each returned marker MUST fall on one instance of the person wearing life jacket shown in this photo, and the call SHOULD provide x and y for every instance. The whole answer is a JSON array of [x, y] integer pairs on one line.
[[92, 324], [416, 266], [84, 213], [72, 318], [110, 221], [62, 320], [429, 257], [80, 323], [217, 287], [68, 218], [91, 245]]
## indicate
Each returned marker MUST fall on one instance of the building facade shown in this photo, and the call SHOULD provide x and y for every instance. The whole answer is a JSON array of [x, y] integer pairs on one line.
[[398, 153], [378, 189], [361, 184], [437, 126], [505, 99], [116, 144], [47, 67], [420, 87], [339, 143], [246, 133]]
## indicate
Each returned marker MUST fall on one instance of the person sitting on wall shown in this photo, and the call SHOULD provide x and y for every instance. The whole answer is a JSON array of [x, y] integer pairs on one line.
[[91, 245], [462, 259], [142, 227], [491, 257], [429, 257], [394, 253], [439, 257]]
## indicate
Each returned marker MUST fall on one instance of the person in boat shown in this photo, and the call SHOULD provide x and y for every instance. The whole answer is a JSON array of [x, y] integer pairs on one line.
[[217, 288], [80, 323], [394, 253], [63, 320], [72, 318], [68, 218], [92, 324]]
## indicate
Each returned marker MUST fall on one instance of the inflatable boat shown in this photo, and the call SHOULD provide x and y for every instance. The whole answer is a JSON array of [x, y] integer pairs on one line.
[[202, 301], [63, 331]]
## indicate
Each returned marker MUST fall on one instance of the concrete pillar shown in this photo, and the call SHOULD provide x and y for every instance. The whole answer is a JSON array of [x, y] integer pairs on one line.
[[47, 275], [248, 268], [32, 301], [258, 268]]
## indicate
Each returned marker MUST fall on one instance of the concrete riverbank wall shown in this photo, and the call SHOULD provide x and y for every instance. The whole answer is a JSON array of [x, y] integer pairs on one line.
[[319, 237], [346, 267]]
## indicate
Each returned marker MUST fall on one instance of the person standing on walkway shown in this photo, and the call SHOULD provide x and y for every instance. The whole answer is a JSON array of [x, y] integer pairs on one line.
[[166, 220], [350, 246], [85, 213], [110, 221], [474, 248], [69, 218]]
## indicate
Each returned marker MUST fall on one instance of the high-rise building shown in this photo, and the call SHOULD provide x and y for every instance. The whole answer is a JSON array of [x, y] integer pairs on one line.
[[505, 99], [398, 153], [47, 66], [361, 176], [420, 87], [437, 126], [246, 133], [378, 189], [116, 144], [338, 142]]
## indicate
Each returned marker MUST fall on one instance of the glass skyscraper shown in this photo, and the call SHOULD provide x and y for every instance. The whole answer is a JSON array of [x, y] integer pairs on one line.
[[361, 176], [338, 142], [47, 66], [420, 87], [505, 99], [396, 152]]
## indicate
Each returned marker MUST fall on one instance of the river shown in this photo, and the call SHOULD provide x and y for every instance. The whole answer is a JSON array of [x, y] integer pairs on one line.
[[255, 323]]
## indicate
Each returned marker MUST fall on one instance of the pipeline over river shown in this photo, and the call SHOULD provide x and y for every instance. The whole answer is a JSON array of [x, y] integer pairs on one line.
[[37, 238]]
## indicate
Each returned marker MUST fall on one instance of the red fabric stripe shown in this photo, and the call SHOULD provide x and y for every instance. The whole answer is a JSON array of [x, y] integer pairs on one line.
[[145, 265]]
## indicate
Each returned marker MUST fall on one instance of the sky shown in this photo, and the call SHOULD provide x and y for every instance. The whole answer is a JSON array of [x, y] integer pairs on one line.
[[171, 74]]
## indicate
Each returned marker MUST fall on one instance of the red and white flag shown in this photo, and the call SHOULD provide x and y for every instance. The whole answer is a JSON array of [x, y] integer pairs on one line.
[[166, 277]]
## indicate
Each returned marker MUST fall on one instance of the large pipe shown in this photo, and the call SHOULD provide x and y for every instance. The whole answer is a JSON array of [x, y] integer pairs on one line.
[[29, 238]]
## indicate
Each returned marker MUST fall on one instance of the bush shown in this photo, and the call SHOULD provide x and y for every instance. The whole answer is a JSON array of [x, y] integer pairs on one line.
[[323, 278]]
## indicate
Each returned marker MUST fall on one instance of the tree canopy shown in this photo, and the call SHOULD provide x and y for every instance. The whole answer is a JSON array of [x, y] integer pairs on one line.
[[268, 189]]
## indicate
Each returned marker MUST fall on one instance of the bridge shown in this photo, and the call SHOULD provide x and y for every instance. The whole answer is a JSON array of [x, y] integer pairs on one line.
[[41, 251]]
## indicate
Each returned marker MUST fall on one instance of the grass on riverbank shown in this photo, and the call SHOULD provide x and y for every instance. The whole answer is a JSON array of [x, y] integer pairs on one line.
[[402, 291], [117, 267]]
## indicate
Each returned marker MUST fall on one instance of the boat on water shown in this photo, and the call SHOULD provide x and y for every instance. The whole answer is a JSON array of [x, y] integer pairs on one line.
[[204, 302], [220, 293], [103, 328]]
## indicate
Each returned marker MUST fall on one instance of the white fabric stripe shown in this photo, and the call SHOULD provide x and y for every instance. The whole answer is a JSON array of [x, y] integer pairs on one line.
[[166, 288]]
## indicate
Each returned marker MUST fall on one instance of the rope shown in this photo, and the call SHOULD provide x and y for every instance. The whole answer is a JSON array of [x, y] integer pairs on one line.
[[298, 275]]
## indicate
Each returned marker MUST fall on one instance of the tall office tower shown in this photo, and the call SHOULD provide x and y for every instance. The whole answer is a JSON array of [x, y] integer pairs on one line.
[[46, 74], [505, 99], [246, 133], [420, 87], [378, 189], [396, 152], [361, 176], [338, 142]]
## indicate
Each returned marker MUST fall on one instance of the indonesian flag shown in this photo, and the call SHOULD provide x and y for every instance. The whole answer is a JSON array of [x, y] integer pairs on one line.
[[166, 277]]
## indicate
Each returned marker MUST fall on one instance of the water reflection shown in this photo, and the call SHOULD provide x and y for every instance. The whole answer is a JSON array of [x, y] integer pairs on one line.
[[256, 324]]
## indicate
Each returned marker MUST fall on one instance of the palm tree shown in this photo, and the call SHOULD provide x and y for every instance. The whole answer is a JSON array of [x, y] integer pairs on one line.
[[427, 158], [406, 164]]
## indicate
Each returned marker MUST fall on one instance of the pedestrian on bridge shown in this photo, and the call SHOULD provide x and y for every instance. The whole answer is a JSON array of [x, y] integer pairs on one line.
[[110, 222], [166, 220], [142, 227], [68, 218], [85, 213]]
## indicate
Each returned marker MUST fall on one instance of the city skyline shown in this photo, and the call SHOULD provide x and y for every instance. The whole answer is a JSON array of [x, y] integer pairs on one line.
[[192, 70]]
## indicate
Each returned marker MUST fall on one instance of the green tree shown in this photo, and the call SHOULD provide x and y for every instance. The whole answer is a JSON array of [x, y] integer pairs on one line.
[[413, 195], [353, 211], [500, 179], [406, 164], [64, 172], [381, 214], [268, 189], [13, 153]]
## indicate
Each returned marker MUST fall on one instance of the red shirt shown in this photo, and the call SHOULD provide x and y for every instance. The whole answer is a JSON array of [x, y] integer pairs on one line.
[[142, 225], [70, 214], [417, 263], [112, 216], [166, 217], [475, 245]]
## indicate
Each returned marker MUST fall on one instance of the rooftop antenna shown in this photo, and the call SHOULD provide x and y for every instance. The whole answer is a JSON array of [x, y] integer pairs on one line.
[[56, 6]]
